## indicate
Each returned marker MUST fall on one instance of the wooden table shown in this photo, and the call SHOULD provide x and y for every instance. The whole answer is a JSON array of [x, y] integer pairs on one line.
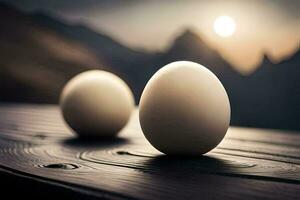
[[40, 157]]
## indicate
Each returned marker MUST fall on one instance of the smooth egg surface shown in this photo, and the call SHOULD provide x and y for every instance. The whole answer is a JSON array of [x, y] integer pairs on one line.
[[184, 109], [96, 103]]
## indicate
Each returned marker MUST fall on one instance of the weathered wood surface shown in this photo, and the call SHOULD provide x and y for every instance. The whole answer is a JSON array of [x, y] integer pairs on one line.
[[38, 150]]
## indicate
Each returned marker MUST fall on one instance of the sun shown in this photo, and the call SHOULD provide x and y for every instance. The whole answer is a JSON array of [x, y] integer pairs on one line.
[[224, 26]]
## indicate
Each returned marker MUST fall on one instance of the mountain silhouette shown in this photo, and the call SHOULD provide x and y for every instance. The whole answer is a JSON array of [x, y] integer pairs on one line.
[[117, 58], [35, 61], [189, 46], [39, 53]]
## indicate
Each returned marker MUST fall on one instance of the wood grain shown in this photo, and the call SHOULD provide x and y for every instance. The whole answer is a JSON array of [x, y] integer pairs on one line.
[[36, 145]]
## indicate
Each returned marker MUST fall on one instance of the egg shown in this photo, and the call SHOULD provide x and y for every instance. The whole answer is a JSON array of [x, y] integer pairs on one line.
[[184, 109], [96, 103]]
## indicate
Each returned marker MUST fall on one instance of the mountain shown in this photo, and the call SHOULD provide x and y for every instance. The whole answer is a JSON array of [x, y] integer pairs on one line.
[[35, 61], [119, 59], [189, 46], [273, 95], [40, 53]]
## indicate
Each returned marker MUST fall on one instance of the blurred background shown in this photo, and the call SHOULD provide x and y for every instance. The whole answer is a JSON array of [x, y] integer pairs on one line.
[[252, 46]]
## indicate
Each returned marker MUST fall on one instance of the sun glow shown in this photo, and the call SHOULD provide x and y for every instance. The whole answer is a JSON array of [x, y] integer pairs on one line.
[[224, 26]]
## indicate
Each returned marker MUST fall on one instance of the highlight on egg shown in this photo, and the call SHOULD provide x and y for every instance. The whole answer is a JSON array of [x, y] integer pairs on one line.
[[184, 109], [96, 103]]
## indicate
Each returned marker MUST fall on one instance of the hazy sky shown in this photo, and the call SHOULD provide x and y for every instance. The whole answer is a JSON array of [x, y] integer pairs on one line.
[[271, 26]]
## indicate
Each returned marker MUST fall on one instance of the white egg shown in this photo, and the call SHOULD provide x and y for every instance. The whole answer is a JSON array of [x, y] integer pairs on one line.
[[184, 109], [96, 103]]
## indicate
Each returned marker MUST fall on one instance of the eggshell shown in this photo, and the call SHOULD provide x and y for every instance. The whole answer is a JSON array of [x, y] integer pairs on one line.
[[96, 103], [184, 109]]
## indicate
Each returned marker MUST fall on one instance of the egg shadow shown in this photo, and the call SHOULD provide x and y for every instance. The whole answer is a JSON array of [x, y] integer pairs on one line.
[[189, 165], [95, 142], [193, 177]]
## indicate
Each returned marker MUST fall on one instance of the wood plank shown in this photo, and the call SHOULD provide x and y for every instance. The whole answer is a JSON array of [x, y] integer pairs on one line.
[[252, 163]]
